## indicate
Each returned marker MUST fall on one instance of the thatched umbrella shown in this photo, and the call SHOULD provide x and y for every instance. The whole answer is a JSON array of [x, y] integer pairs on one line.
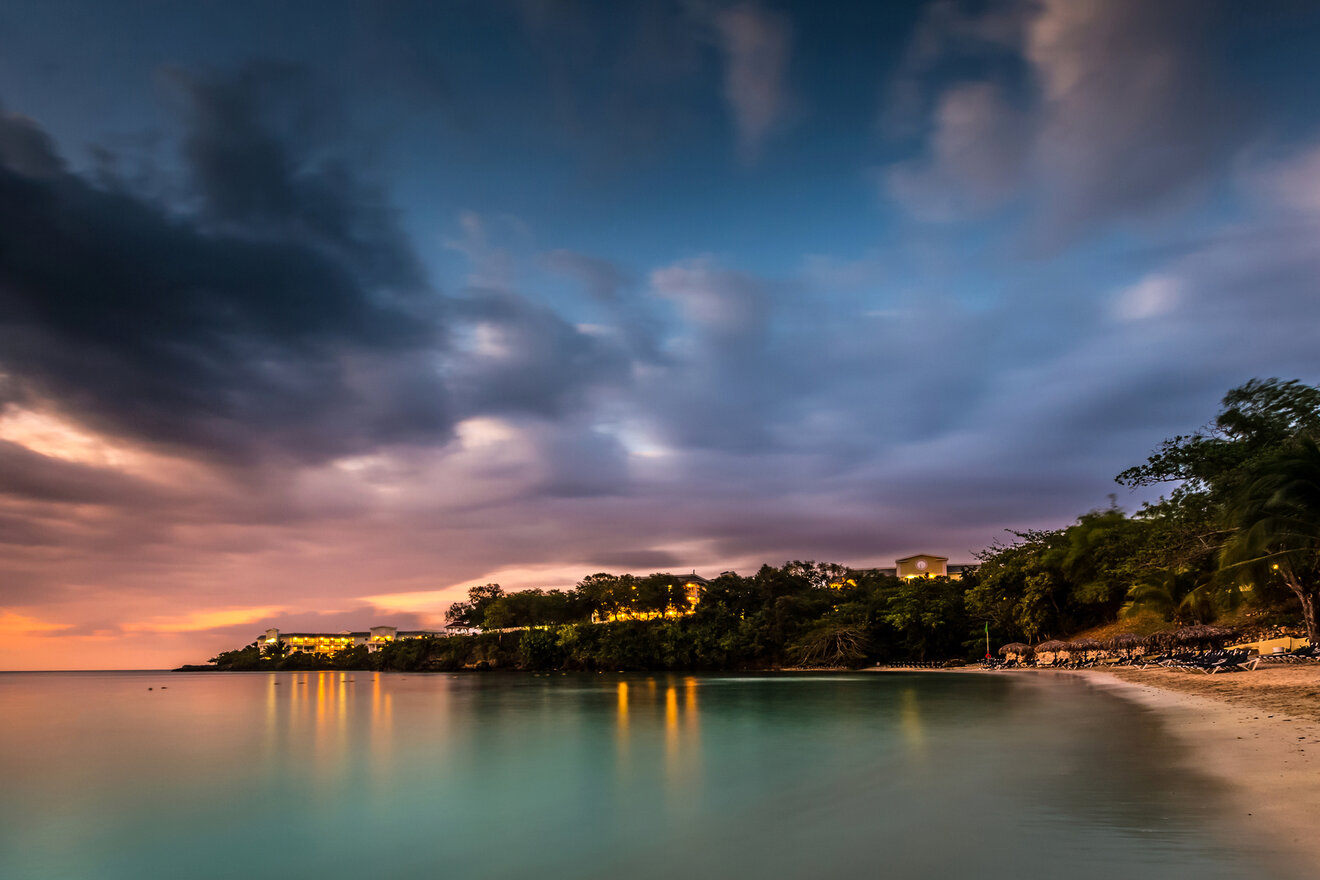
[[1053, 648], [1125, 642], [1202, 636], [1160, 641], [1017, 649], [1084, 646]]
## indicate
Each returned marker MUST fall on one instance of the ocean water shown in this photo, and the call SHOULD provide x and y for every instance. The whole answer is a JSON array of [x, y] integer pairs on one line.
[[318, 775]]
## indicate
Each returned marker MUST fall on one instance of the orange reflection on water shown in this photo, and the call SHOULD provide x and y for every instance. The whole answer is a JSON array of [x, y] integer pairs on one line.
[[324, 713], [322, 747], [909, 714], [621, 728], [672, 744], [682, 738], [623, 707]]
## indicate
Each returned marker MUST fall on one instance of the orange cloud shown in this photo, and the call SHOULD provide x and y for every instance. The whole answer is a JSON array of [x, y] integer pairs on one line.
[[14, 624], [204, 620]]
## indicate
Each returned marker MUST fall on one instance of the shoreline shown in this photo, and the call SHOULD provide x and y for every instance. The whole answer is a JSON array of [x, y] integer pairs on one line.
[[1267, 758], [1257, 733]]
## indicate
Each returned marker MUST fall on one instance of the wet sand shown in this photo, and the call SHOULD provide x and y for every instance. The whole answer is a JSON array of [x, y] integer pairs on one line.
[[1257, 731]]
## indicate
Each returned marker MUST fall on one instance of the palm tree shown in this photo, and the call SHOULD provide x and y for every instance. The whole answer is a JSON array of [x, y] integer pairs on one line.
[[1277, 514], [1181, 596]]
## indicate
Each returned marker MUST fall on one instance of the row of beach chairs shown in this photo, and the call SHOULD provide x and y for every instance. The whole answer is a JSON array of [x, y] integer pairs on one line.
[[1301, 655], [1057, 664], [1210, 662]]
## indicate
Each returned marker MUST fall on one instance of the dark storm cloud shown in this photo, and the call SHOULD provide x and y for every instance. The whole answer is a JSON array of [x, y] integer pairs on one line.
[[280, 311], [260, 149], [25, 148], [269, 319]]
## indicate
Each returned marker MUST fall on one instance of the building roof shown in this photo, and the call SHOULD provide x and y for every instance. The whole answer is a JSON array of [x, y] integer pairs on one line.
[[922, 556]]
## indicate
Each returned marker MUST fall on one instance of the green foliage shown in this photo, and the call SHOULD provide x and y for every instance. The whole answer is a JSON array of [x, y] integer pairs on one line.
[[1017, 590], [473, 611], [1211, 467], [1241, 498], [1184, 597], [929, 613], [1256, 420], [533, 608], [540, 649], [241, 659], [1277, 515]]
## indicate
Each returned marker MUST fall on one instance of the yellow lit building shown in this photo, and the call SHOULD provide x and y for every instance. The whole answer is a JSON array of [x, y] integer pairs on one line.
[[921, 565], [328, 643]]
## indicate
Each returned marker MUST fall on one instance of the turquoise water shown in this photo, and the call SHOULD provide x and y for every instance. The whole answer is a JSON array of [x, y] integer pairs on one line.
[[312, 775]]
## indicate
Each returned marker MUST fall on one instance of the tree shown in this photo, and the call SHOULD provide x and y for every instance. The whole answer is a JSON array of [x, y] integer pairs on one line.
[[1192, 532], [831, 644], [1192, 596], [655, 593], [248, 657], [1017, 589], [473, 611], [929, 613], [1277, 515], [1212, 465], [1256, 419], [1097, 560]]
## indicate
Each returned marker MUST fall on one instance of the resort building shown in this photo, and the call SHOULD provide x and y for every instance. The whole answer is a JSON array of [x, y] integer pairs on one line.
[[925, 565], [328, 643], [929, 565]]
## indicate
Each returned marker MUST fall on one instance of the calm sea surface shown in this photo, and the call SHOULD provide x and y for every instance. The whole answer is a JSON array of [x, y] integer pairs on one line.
[[317, 775]]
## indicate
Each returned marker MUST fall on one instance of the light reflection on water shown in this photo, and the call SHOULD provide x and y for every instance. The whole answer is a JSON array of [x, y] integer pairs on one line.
[[597, 776]]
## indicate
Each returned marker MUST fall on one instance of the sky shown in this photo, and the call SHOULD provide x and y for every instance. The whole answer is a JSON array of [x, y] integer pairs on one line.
[[314, 315]]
